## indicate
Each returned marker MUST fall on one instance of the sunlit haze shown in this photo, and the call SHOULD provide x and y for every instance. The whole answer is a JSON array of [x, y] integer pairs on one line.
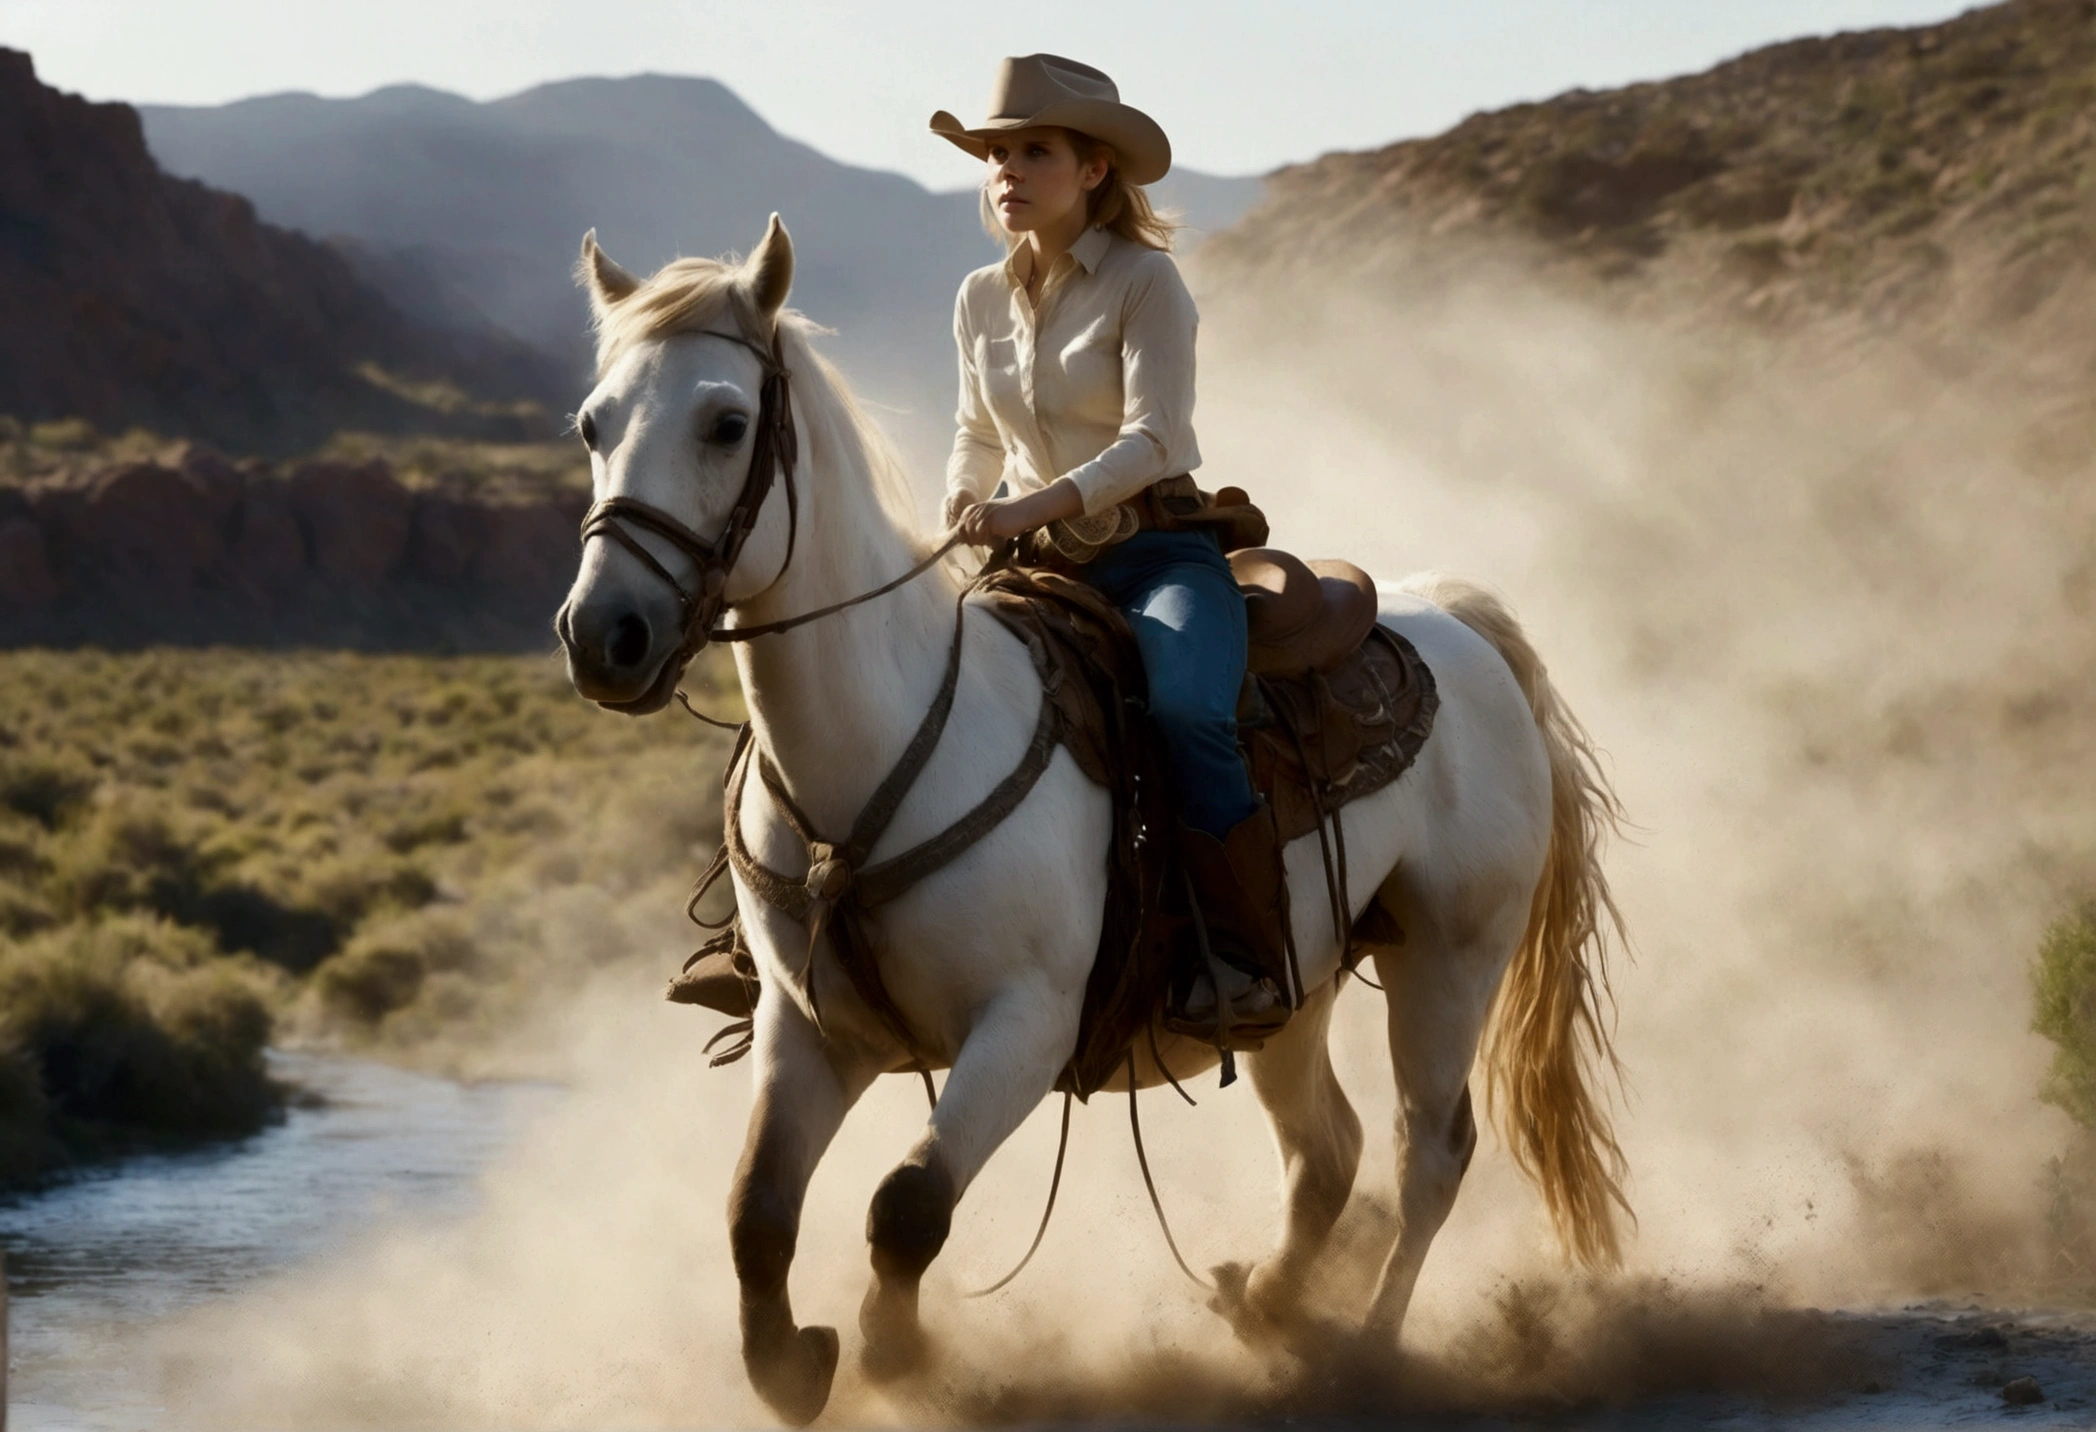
[[1242, 87]]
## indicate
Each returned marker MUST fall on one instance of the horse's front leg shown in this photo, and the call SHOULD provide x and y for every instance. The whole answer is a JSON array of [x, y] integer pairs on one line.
[[802, 1098], [1006, 1066]]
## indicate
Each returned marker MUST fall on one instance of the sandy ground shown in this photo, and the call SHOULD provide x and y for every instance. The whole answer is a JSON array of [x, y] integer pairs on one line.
[[1924, 1366], [1952, 1366]]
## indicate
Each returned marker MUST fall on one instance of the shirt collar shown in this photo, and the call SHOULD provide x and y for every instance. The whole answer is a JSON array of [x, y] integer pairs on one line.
[[1090, 248]]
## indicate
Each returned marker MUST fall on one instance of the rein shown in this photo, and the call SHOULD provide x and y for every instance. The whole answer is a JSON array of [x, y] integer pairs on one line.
[[840, 886], [772, 456]]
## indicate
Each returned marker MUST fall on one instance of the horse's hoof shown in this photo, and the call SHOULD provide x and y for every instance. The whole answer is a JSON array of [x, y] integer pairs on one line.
[[895, 1345], [795, 1384], [1268, 1315], [896, 1355], [1232, 1302], [1230, 1279]]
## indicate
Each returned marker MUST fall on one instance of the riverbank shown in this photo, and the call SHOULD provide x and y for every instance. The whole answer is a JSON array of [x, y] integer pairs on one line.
[[206, 851], [97, 1265]]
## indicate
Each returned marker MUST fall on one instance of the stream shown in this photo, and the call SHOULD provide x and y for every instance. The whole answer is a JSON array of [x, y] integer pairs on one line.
[[99, 1264], [95, 1263]]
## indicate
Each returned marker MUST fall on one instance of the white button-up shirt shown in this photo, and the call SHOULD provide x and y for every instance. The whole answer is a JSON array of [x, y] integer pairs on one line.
[[1096, 384]]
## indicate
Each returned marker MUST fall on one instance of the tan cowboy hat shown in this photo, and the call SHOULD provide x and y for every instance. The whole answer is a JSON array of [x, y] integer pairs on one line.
[[1048, 89]]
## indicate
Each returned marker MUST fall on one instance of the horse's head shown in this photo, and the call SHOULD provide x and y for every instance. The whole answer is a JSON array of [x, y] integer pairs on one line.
[[684, 522]]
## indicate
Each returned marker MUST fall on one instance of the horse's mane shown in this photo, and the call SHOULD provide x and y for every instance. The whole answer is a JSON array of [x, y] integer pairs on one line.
[[693, 295], [683, 296]]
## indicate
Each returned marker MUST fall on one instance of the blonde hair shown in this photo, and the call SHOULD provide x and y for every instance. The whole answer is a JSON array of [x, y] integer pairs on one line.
[[1117, 206]]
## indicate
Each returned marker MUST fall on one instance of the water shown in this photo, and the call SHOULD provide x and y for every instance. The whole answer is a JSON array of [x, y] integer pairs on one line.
[[97, 1265], [93, 1265]]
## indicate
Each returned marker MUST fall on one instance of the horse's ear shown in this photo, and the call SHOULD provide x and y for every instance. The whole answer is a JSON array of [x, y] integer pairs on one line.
[[768, 276], [606, 281]]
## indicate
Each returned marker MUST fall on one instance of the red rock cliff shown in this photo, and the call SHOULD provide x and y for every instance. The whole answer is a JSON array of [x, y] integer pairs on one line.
[[136, 299]]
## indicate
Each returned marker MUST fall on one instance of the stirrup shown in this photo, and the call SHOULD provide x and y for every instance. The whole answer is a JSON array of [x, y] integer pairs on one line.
[[1257, 1012], [1240, 1014]]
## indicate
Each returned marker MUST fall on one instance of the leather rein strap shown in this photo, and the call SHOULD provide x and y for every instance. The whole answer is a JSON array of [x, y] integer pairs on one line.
[[772, 457], [840, 886]]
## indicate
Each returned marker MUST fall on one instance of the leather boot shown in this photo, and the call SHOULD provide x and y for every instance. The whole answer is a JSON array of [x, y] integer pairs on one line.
[[1242, 891]]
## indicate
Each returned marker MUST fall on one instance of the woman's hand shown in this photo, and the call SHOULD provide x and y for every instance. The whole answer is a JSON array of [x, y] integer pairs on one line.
[[985, 524], [973, 519]]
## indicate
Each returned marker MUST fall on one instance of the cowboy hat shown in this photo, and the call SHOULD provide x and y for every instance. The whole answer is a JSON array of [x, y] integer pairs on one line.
[[1050, 90]]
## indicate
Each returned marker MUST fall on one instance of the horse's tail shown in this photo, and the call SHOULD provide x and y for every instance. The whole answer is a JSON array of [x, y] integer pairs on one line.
[[1549, 1036]]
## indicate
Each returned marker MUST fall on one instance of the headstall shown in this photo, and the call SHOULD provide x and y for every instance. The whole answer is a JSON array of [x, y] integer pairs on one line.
[[775, 451], [772, 456]]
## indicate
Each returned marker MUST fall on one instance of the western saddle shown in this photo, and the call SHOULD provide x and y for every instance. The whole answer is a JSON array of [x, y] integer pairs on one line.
[[1334, 707]]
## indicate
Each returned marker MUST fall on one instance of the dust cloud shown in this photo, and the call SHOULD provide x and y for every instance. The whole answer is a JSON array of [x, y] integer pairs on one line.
[[1826, 609]]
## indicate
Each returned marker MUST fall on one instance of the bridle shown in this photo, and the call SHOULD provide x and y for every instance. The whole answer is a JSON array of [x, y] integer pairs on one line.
[[773, 454]]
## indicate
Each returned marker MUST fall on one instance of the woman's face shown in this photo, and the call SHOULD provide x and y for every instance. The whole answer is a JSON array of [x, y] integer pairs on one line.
[[1036, 180]]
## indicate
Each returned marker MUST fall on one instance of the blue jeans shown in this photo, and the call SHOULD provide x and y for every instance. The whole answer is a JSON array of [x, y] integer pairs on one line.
[[1176, 590]]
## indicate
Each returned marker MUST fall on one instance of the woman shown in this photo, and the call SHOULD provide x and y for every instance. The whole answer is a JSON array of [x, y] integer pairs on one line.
[[1077, 394]]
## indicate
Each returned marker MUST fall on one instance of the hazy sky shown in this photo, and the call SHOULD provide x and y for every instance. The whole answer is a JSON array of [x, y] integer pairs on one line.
[[1241, 87]]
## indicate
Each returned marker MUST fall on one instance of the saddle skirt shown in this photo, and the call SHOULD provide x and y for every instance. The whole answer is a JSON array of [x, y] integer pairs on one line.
[[1334, 708]]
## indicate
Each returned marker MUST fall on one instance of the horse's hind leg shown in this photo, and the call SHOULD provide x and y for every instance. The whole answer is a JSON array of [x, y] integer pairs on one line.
[[1006, 1066], [1318, 1136], [801, 1102], [1439, 985]]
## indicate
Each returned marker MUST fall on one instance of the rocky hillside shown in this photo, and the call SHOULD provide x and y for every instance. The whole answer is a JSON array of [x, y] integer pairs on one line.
[[429, 547], [1938, 181], [132, 298]]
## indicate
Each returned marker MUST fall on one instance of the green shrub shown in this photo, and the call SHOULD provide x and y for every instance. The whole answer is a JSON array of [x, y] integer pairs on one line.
[[248, 919], [65, 435], [133, 1031], [388, 968], [369, 980], [347, 889], [21, 850], [2063, 984], [27, 1145], [44, 790], [445, 825], [129, 856], [334, 824], [22, 912]]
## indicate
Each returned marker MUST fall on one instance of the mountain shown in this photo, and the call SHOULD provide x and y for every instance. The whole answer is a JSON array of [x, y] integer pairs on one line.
[[471, 212], [1938, 183], [133, 298]]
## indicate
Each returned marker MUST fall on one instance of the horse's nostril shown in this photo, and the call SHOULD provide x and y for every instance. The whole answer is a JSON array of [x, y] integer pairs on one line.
[[629, 641]]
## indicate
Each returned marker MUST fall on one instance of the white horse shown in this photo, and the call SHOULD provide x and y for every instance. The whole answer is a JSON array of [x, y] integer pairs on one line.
[[1485, 853]]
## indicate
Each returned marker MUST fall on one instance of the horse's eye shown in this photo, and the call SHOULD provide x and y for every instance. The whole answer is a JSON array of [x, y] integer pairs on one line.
[[729, 430], [587, 426]]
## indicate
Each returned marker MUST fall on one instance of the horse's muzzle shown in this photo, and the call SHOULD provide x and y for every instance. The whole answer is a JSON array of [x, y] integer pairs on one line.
[[621, 654]]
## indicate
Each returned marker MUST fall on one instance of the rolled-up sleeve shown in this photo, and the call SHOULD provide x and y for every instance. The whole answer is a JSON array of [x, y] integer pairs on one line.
[[977, 462], [1158, 329]]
